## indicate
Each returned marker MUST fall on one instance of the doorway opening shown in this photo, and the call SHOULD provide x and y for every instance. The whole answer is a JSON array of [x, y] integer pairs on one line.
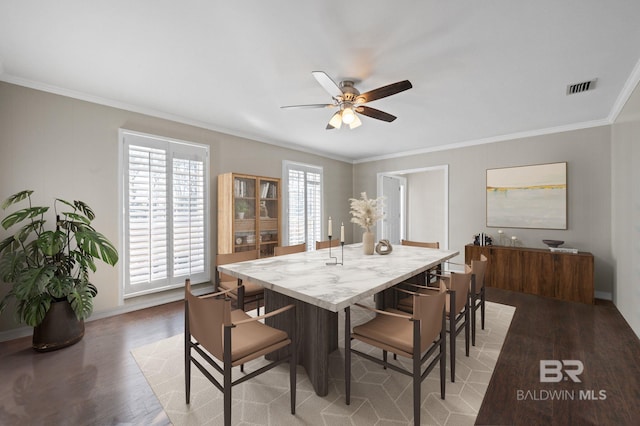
[[416, 205]]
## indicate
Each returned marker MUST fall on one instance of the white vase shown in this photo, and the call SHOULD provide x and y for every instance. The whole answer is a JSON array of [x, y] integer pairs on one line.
[[367, 242]]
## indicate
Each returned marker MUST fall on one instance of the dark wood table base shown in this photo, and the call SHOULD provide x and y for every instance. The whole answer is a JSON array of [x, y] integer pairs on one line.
[[316, 335]]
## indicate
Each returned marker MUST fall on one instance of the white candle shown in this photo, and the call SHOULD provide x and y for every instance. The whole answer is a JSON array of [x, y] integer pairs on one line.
[[342, 233], [330, 230]]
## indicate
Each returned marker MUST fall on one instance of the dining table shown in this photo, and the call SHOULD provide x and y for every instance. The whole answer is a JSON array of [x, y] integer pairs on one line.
[[320, 284]]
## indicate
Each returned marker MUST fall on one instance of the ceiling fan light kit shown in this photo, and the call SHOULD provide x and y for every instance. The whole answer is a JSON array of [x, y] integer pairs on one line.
[[346, 97]]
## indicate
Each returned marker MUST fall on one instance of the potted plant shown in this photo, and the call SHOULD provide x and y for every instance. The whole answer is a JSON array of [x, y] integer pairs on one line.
[[242, 207], [47, 270]]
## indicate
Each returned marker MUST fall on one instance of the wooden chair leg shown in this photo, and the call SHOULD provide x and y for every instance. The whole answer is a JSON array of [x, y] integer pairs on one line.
[[293, 364], [452, 335], [384, 358], [227, 376], [417, 376], [443, 356], [347, 354], [467, 329], [482, 308], [474, 298], [452, 344], [187, 355]]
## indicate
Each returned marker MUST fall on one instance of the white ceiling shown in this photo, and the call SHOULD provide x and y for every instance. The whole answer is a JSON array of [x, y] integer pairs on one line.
[[481, 70]]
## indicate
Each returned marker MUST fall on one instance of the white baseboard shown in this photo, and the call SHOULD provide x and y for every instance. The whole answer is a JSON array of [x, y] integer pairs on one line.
[[129, 305], [15, 333], [605, 295]]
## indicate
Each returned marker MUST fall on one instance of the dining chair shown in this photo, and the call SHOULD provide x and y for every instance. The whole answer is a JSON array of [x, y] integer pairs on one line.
[[427, 276], [477, 293], [232, 337], [405, 335], [477, 296], [282, 250], [248, 292], [457, 309], [325, 244]]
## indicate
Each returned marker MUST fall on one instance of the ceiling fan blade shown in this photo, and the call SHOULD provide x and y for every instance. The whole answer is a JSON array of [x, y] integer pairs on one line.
[[328, 84], [375, 113], [310, 106], [383, 92]]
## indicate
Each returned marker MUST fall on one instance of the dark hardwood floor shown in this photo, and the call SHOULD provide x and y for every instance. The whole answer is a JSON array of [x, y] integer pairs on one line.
[[548, 329], [97, 382]]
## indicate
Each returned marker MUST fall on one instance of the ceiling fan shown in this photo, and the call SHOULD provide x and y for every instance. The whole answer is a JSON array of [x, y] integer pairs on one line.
[[351, 102]]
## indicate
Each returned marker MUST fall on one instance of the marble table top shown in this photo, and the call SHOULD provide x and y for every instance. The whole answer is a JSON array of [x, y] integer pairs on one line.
[[307, 277]]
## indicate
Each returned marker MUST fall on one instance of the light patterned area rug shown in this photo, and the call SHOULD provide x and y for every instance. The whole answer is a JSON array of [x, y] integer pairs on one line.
[[378, 396]]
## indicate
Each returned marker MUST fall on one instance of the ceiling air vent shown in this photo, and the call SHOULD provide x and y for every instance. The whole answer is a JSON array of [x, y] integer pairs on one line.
[[572, 89]]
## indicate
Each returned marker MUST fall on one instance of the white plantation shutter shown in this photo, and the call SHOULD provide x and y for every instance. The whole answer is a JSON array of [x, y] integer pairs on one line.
[[147, 203], [166, 213], [303, 194], [296, 216], [188, 216]]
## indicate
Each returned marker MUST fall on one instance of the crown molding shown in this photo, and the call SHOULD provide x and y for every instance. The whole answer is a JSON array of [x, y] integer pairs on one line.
[[161, 114], [625, 94], [493, 139]]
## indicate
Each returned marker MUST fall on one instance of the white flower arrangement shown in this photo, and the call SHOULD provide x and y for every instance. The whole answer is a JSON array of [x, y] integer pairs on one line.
[[366, 211]]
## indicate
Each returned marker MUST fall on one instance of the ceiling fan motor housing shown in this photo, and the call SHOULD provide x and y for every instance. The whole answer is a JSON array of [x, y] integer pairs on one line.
[[349, 92]]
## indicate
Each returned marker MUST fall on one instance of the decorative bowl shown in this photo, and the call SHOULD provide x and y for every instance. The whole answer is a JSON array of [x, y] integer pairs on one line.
[[553, 243]]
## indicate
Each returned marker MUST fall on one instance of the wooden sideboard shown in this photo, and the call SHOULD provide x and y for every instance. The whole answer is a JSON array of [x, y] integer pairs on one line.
[[564, 276]]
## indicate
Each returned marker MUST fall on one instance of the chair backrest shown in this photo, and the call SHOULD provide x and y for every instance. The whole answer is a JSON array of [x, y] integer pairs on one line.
[[325, 244], [241, 256], [435, 245], [479, 268], [429, 309], [460, 283], [298, 248], [206, 318]]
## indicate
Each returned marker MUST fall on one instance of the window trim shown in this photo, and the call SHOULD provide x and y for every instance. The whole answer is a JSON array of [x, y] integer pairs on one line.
[[172, 282], [286, 166]]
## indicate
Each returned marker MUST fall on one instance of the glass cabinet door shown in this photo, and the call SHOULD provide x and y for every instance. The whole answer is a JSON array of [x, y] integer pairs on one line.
[[244, 206], [269, 215]]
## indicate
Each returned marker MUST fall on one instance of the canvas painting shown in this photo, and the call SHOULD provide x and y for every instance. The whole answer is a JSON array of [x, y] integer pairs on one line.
[[528, 196]]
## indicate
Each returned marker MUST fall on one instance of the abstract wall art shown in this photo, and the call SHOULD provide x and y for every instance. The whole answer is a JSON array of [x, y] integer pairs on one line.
[[528, 196]]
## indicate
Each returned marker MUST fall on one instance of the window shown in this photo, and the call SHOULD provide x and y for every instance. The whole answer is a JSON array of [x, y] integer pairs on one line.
[[303, 203], [165, 197]]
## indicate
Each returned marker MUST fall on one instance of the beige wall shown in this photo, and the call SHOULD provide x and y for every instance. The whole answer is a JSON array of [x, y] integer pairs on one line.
[[625, 202], [589, 184], [66, 148], [425, 207]]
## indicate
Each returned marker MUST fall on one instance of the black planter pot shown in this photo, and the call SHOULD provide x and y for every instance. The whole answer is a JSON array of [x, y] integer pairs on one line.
[[59, 329]]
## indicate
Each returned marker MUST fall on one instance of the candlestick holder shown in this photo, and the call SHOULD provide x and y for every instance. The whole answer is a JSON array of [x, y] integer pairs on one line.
[[334, 258]]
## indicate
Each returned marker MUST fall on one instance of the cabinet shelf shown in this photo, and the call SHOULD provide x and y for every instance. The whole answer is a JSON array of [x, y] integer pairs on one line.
[[259, 198]]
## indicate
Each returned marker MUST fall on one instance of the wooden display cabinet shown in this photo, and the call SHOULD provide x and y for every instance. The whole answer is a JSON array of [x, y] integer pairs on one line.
[[248, 213], [564, 276]]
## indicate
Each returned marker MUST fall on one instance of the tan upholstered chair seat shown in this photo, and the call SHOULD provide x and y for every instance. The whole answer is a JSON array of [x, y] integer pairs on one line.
[[253, 338], [392, 332]]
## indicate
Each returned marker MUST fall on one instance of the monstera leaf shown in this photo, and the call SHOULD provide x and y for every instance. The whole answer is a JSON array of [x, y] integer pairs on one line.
[[97, 245]]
